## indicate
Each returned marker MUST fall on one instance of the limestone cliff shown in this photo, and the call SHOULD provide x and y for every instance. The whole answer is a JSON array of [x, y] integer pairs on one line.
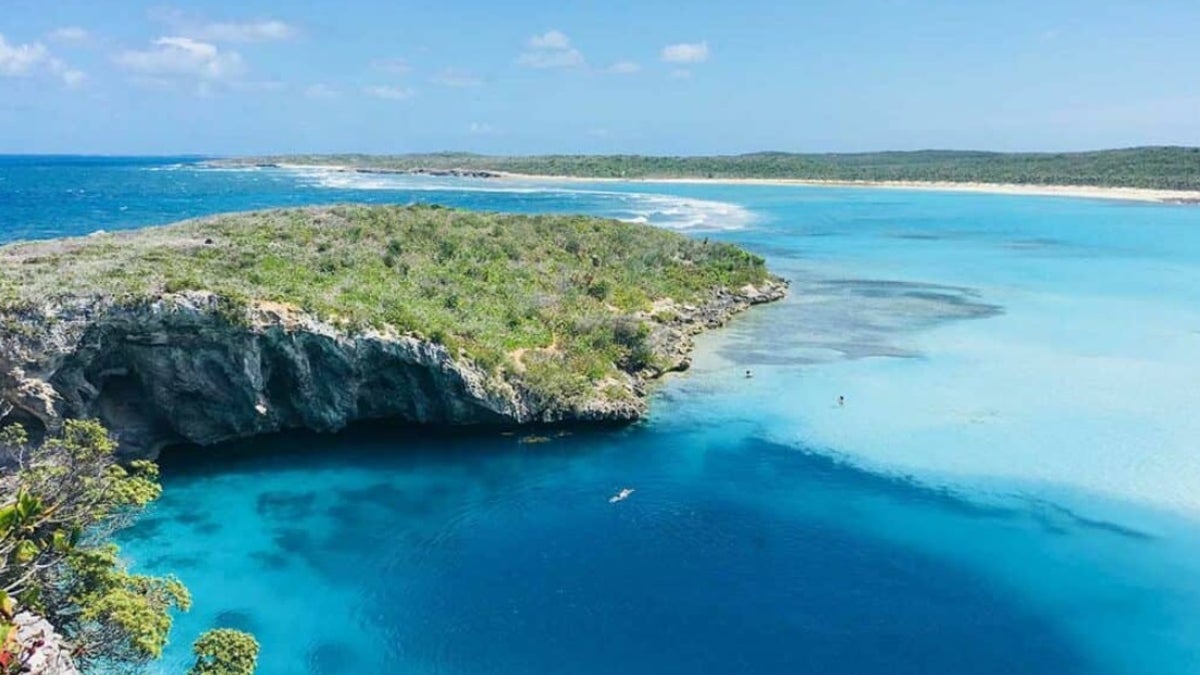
[[184, 368], [44, 651]]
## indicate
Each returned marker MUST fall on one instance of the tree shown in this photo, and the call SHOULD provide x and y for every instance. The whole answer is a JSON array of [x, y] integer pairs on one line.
[[225, 651], [60, 501]]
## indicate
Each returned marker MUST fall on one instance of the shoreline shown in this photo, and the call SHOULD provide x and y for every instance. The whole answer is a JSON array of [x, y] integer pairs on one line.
[[1086, 191], [1152, 195]]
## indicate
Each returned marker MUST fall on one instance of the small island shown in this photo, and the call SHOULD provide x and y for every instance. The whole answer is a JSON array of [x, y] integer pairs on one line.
[[314, 318]]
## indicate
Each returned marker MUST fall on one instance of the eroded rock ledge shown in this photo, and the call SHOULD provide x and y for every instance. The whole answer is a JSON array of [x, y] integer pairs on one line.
[[179, 368], [45, 652]]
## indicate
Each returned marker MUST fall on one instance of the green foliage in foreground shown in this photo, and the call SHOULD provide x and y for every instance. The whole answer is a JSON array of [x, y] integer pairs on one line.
[[1171, 168], [225, 651], [62, 499], [555, 298]]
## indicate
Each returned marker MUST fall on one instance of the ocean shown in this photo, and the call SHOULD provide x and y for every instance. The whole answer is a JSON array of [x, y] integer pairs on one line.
[[1011, 486]]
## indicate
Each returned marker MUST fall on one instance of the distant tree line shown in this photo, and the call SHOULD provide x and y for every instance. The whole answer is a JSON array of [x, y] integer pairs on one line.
[[1176, 168]]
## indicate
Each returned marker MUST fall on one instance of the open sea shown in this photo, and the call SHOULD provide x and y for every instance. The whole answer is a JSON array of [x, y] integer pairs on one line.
[[1012, 485]]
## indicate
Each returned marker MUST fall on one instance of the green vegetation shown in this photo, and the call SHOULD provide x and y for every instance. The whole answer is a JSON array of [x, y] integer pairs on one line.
[[1168, 168], [225, 651], [556, 299], [61, 501]]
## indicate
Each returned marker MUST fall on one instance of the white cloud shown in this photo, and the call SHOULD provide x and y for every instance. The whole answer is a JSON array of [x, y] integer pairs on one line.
[[623, 68], [551, 49], [20, 60], [568, 58], [321, 91], [248, 31], [681, 73], [551, 39], [69, 34], [390, 93], [183, 58], [70, 77], [394, 66], [73, 78], [696, 52], [196, 26], [26, 60], [453, 77], [480, 129]]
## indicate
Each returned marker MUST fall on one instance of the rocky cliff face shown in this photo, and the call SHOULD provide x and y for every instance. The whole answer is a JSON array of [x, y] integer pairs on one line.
[[186, 368], [44, 652]]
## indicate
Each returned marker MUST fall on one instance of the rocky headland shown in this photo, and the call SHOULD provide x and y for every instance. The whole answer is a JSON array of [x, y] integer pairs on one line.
[[247, 324]]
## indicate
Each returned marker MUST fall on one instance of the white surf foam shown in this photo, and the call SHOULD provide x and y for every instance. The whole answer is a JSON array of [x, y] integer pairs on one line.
[[686, 213], [193, 166], [662, 210]]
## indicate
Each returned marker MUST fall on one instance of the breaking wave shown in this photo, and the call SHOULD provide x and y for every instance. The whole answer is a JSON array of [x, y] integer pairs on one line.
[[662, 210]]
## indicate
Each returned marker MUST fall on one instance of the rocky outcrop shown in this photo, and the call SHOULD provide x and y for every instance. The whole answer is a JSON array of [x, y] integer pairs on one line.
[[43, 650], [440, 173], [677, 324], [189, 368], [416, 171]]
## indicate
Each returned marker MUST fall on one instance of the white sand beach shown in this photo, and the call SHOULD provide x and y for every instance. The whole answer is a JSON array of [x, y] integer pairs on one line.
[[1087, 191]]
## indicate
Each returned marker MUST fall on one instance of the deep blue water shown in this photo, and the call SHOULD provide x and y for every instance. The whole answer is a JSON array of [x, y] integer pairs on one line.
[[49, 197], [1011, 487]]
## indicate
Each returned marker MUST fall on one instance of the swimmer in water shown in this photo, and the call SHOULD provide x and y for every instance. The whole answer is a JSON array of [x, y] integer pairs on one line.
[[620, 496], [841, 401], [748, 375]]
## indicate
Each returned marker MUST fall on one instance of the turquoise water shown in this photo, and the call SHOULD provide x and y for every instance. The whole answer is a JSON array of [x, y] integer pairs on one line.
[[1010, 487]]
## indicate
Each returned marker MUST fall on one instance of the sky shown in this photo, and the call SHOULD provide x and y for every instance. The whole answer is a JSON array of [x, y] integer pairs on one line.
[[223, 77]]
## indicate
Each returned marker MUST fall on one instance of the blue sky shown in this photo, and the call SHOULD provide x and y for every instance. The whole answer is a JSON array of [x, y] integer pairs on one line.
[[648, 76]]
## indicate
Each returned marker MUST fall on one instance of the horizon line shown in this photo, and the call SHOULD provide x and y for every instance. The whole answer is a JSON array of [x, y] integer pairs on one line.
[[198, 155]]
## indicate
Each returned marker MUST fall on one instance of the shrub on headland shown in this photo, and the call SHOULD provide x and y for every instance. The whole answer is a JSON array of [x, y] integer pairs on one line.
[[225, 651], [566, 291]]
